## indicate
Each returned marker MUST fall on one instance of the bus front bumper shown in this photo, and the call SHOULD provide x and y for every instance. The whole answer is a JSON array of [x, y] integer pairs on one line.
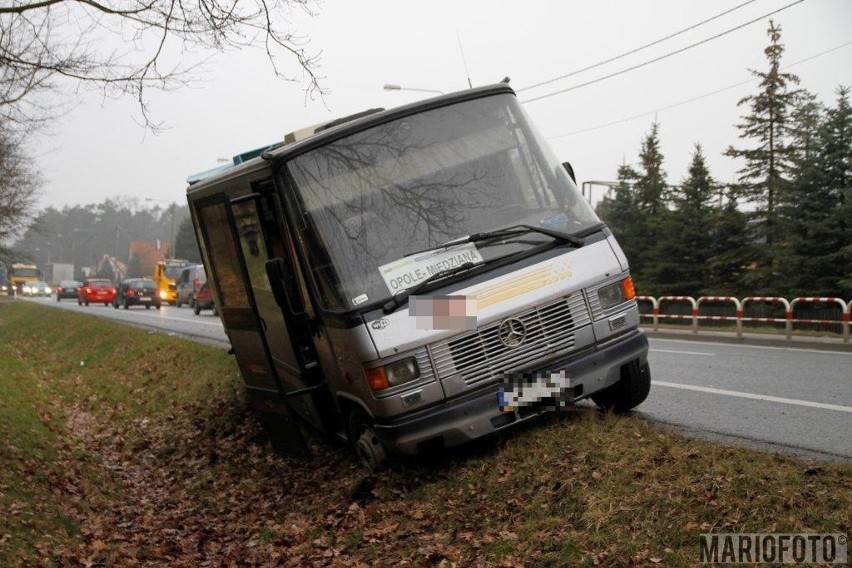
[[478, 414]]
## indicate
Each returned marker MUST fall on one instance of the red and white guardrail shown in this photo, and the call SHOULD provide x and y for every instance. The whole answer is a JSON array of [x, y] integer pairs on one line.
[[740, 309]]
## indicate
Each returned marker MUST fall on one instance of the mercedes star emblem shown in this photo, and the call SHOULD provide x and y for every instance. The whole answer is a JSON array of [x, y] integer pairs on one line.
[[512, 332]]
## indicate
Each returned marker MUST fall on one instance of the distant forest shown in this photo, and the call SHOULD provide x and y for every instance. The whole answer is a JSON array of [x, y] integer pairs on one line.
[[83, 234]]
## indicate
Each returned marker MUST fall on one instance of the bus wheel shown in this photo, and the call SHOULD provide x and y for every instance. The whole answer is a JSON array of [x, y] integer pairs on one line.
[[629, 392], [369, 450]]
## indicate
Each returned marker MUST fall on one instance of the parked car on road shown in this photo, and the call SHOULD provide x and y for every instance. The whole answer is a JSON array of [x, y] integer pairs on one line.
[[67, 289], [190, 281], [39, 288], [96, 290], [203, 300], [137, 292]]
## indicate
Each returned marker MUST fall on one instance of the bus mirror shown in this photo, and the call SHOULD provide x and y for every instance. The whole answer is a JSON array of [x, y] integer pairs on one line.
[[283, 288], [570, 170]]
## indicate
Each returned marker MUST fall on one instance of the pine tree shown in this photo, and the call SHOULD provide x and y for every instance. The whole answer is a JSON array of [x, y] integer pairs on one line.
[[731, 249], [651, 183], [186, 246], [835, 149], [685, 242], [650, 191], [634, 214], [767, 166], [802, 206]]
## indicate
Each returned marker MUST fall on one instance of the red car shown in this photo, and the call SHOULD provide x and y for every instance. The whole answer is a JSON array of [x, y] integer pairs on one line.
[[96, 290], [203, 300]]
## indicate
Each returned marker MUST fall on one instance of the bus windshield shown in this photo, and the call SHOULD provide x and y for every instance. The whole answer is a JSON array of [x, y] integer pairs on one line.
[[368, 200]]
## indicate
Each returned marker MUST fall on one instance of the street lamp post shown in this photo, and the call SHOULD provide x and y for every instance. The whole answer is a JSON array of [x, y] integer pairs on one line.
[[608, 184], [392, 87]]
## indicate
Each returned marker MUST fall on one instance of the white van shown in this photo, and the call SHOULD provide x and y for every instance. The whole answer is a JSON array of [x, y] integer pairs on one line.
[[416, 278]]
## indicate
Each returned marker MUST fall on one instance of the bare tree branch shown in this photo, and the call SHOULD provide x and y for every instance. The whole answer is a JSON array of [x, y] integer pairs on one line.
[[46, 44]]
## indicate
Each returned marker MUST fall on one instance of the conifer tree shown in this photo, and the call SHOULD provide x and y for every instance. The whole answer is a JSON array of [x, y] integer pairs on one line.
[[685, 240], [768, 163], [731, 249], [650, 193], [634, 213], [832, 205], [801, 205]]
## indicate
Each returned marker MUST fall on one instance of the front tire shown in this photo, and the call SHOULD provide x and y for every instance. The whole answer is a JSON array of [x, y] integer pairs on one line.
[[369, 450], [630, 390], [196, 308]]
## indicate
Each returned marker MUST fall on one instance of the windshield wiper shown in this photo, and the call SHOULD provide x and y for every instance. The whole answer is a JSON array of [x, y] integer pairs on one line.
[[511, 231], [519, 230], [395, 302]]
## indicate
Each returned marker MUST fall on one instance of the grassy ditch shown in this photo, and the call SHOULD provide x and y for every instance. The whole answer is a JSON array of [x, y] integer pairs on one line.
[[126, 448]]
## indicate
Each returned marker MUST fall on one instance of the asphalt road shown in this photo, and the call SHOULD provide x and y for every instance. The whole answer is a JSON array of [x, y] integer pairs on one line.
[[204, 327], [790, 400], [783, 399]]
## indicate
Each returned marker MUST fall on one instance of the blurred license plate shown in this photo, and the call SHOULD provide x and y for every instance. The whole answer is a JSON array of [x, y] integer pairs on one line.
[[526, 390], [145, 298], [101, 292]]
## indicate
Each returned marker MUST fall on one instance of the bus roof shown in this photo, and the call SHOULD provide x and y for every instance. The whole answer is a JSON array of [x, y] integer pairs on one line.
[[322, 133]]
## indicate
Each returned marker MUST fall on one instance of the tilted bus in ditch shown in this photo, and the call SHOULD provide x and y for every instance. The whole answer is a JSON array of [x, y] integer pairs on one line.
[[416, 278]]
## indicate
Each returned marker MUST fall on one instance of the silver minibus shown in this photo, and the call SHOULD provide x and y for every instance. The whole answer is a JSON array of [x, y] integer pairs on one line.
[[415, 278]]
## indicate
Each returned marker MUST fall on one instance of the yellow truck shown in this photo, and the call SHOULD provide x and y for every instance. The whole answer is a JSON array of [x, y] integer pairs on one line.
[[166, 274], [22, 274]]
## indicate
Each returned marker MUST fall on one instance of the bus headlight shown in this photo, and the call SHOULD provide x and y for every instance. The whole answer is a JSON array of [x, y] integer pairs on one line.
[[616, 293], [392, 374]]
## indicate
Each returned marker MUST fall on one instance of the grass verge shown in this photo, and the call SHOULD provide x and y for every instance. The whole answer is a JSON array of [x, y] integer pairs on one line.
[[132, 448]]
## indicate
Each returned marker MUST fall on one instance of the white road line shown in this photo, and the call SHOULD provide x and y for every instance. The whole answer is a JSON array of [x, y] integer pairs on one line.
[[755, 396], [743, 346], [683, 352]]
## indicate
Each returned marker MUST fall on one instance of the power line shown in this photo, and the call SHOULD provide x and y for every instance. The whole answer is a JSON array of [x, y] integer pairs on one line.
[[632, 51], [665, 56], [693, 99]]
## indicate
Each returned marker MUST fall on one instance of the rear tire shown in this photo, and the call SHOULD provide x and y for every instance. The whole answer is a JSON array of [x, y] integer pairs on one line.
[[369, 450], [629, 392], [115, 304]]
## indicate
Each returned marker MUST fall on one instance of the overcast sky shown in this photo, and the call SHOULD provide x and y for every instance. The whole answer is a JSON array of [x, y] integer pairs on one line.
[[98, 150]]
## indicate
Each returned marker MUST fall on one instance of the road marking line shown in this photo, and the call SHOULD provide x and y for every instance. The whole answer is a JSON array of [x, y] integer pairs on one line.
[[682, 352], [743, 346], [755, 396]]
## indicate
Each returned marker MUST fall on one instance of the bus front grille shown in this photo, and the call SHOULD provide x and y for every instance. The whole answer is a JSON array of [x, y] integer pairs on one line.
[[480, 356]]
